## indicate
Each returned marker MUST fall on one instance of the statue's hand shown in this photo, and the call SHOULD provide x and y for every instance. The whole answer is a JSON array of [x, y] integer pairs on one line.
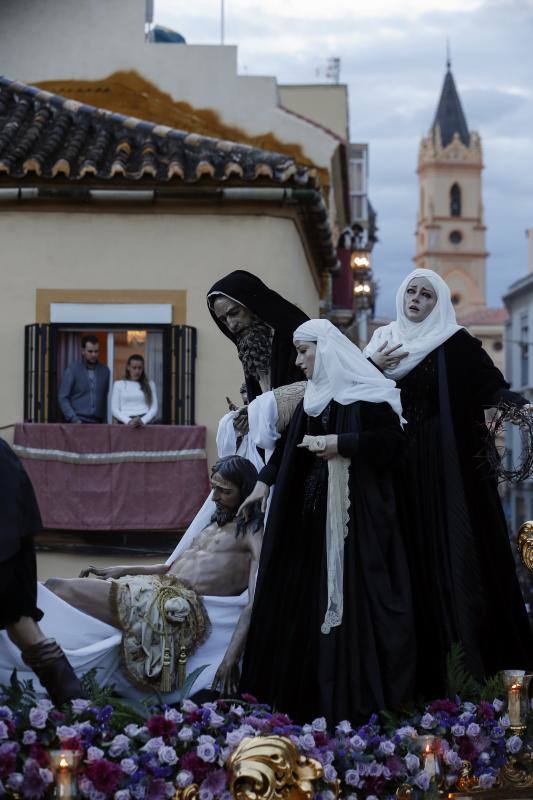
[[240, 423], [388, 357], [259, 494], [226, 679], [103, 572]]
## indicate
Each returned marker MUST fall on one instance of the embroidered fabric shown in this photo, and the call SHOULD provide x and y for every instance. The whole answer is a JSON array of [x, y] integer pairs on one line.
[[287, 398], [337, 520]]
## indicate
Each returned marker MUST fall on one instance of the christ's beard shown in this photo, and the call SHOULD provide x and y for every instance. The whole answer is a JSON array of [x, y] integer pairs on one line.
[[223, 515], [254, 347]]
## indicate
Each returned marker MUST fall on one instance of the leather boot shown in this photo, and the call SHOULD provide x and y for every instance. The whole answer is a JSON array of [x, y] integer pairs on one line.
[[54, 671]]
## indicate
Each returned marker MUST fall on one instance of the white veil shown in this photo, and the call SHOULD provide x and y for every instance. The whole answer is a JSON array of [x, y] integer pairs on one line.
[[418, 338]]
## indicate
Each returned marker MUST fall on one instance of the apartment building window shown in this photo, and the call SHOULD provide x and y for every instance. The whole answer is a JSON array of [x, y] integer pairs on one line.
[[358, 182]]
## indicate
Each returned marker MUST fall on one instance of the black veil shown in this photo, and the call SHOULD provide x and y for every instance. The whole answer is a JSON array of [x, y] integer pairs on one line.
[[270, 307]]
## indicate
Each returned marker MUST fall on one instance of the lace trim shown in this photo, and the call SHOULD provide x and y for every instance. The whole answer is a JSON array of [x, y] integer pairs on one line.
[[287, 398]]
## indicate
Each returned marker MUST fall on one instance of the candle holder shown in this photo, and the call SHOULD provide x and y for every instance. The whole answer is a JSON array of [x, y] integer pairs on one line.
[[513, 680], [525, 706], [430, 757], [65, 765]]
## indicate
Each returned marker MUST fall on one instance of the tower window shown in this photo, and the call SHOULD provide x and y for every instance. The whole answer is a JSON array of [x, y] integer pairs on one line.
[[455, 200], [456, 237]]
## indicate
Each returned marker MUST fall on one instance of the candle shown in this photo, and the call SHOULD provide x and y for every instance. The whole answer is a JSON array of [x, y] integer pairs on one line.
[[513, 680], [64, 763], [429, 752]]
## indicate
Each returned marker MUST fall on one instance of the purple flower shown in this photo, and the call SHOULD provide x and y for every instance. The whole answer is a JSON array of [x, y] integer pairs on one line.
[[29, 737], [122, 794], [215, 781], [128, 766], [422, 780], [307, 741], [66, 732], [320, 724], [412, 762], [138, 791], [153, 745], [458, 730], [351, 777], [167, 755], [473, 730], [80, 705], [36, 780], [486, 780], [15, 780], [514, 744], [132, 730], [188, 706], [330, 773], [94, 753], [357, 743], [344, 727], [5, 713], [205, 793], [427, 721], [207, 752], [119, 745], [233, 738], [215, 720], [8, 758], [174, 715], [105, 775], [4, 733], [157, 790], [497, 705], [184, 778], [186, 734], [46, 705], [38, 717], [386, 748]]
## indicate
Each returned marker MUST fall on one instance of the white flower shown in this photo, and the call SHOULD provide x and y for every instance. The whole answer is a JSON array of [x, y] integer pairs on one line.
[[238, 710], [170, 789], [386, 748], [344, 727], [469, 707], [233, 738], [15, 781], [167, 755], [473, 730], [427, 721], [138, 791], [47, 776], [422, 780], [6, 712], [407, 730], [128, 765], [329, 795], [3, 730], [206, 739], [215, 720], [94, 753], [452, 759], [184, 778], [206, 794], [307, 741], [357, 743], [207, 752], [46, 705], [188, 706], [412, 762], [458, 730], [174, 715], [80, 705], [66, 732], [330, 773], [153, 745], [119, 745], [131, 730], [186, 734], [497, 705], [29, 737], [514, 744], [320, 724], [486, 780], [122, 794], [38, 717], [351, 777]]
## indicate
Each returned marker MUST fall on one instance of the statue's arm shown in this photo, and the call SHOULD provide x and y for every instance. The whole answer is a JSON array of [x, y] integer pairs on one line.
[[227, 675], [121, 571]]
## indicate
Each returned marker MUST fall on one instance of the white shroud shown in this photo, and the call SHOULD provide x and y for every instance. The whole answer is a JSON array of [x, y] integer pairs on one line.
[[92, 644]]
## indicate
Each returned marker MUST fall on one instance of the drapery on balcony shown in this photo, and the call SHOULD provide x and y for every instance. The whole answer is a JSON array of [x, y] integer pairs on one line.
[[115, 478]]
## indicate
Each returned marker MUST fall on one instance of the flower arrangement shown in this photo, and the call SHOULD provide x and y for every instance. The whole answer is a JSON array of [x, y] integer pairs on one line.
[[132, 752]]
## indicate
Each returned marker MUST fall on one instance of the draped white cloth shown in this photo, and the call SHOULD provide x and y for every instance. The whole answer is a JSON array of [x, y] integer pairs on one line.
[[417, 338], [341, 372], [92, 644]]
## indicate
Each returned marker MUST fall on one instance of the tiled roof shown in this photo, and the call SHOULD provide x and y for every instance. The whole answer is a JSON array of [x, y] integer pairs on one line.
[[485, 316], [47, 136]]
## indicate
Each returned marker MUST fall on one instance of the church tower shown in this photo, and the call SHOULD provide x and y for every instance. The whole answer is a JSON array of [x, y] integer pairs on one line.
[[450, 231]]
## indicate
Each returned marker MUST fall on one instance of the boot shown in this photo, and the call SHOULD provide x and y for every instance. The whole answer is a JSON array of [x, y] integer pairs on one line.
[[54, 671]]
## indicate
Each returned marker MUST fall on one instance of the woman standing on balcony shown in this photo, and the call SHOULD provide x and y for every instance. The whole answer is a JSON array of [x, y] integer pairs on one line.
[[464, 582], [134, 398]]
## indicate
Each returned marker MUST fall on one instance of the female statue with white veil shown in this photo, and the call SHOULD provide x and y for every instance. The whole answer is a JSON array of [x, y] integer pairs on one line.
[[332, 628]]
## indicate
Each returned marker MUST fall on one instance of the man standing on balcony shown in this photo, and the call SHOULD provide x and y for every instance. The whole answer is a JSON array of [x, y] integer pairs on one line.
[[85, 386]]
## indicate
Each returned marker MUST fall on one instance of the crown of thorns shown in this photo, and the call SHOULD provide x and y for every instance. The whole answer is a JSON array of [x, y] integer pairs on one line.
[[523, 419]]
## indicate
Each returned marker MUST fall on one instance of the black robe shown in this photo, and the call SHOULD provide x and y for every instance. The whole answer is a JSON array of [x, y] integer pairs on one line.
[[463, 574], [19, 520], [367, 663], [272, 308]]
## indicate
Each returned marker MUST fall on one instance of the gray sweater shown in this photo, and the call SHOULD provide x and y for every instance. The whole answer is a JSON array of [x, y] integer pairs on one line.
[[82, 399]]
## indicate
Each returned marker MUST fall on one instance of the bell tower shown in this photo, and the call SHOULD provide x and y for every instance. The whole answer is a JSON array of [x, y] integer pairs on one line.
[[450, 230]]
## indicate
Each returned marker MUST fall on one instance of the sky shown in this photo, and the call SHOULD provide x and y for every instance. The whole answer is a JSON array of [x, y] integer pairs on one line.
[[393, 55]]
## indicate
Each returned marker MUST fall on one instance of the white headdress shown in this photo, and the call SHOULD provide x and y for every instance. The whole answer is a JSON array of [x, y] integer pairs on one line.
[[418, 338], [341, 372]]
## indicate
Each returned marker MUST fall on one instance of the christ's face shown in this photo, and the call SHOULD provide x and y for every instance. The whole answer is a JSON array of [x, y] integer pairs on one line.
[[306, 357], [419, 300], [232, 314], [226, 495]]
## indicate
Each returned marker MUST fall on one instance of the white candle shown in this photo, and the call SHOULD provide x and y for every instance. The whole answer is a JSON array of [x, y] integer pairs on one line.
[[514, 704]]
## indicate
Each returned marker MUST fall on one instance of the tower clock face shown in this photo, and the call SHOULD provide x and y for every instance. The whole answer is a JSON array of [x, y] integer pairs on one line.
[[456, 237]]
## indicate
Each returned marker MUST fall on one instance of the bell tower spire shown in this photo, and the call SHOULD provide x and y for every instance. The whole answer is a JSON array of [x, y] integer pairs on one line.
[[450, 233]]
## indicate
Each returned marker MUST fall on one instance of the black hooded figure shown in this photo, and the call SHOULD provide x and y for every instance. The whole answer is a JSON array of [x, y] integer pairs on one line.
[[268, 307], [20, 520]]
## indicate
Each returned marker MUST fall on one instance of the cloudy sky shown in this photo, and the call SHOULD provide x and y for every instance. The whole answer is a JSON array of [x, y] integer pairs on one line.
[[393, 56]]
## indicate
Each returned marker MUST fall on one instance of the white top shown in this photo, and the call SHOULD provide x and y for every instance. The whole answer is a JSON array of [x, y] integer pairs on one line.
[[129, 401]]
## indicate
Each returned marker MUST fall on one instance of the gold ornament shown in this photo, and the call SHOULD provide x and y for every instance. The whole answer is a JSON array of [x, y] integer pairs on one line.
[[270, 767], [191, 792], [525, 544]]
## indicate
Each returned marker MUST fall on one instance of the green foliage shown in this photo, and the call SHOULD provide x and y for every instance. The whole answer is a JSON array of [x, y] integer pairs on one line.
[[492, 688], [459, 682]]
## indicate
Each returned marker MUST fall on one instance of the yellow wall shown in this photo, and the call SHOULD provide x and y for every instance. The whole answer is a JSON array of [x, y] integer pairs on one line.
[[47, 249]]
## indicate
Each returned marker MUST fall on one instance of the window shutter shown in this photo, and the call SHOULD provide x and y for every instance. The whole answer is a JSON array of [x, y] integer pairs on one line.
[[37, 382], [184, 339]]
